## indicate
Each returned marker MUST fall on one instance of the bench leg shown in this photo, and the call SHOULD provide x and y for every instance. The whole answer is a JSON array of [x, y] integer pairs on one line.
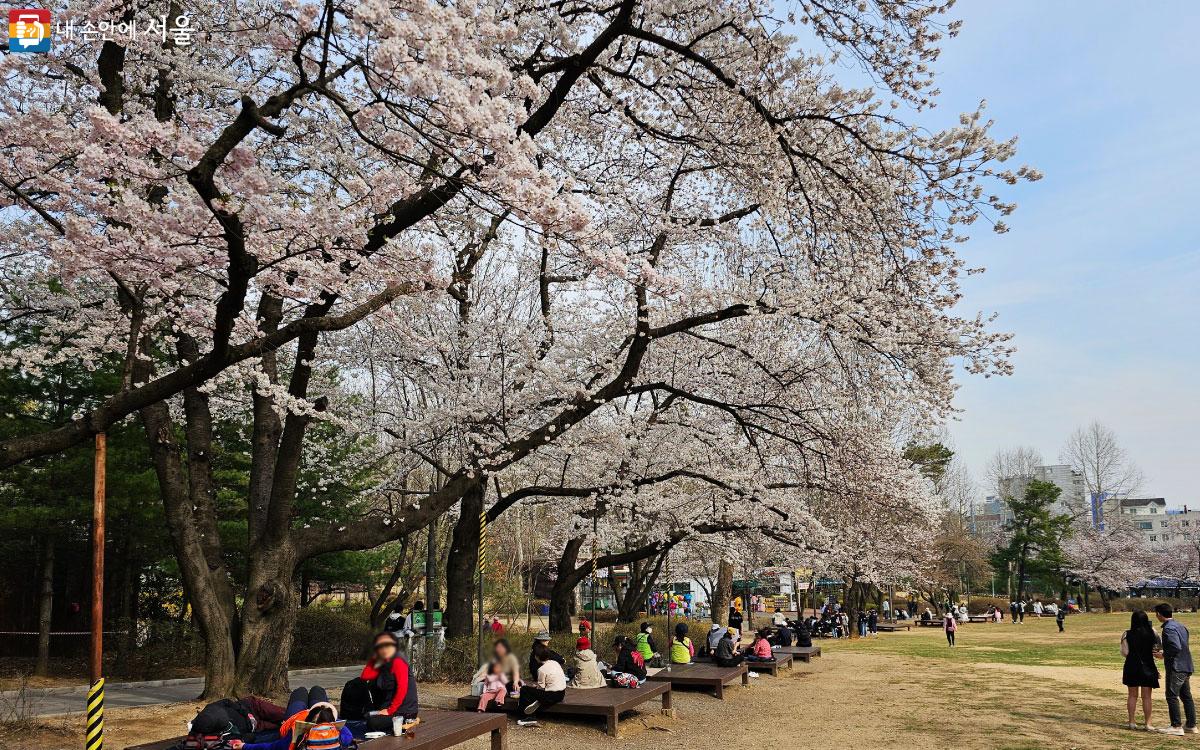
[[500, 738], [746, 676], [666, 700], [613, 720], [719, 691]]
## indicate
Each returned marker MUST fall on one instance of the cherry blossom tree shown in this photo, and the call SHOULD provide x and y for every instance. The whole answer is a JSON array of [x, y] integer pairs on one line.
[[546, 215], [1108, 559]]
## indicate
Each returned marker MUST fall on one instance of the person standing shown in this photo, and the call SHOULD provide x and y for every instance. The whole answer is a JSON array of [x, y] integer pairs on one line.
[[1062, 615], [1140, 673], [1021, 610], [951, 627], [1012, 608], [887, 609], [1177, 658]]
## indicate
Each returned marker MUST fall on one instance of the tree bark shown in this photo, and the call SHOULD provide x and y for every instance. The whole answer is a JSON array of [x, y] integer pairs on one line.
[[45, 609], [462, 562], [722, 593], [565, 583]]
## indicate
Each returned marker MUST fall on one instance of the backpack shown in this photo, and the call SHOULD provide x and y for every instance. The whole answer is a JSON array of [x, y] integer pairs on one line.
[[224, 717], [326, 736]]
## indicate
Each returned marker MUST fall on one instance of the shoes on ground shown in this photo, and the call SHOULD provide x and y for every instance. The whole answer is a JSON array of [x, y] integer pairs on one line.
[[527, 722], [1131, 725], [1191, 730], [1177, 731], [531, 708]]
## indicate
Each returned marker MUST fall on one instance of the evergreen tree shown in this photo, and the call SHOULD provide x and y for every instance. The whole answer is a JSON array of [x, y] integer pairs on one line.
[[1035, 534]]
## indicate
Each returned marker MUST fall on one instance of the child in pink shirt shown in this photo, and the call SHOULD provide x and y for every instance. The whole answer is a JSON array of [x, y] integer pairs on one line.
[[494, 686]]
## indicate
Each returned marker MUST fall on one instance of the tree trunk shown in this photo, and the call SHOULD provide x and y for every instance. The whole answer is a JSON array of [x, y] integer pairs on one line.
[[461, 563], [45, 609], [722, 593], [563, 593], [268, 618]]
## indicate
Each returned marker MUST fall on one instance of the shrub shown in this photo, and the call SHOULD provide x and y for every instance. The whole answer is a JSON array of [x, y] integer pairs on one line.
[[1147, 604], [325, 636], [979, 604]]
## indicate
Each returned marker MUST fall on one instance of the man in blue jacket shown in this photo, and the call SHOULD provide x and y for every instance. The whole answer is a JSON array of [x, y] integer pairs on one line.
[[1177, 658]]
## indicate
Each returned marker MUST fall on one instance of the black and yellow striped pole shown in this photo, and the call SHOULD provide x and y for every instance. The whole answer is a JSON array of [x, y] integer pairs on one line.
[[482, 561], [593, 634], [95, 697], [95, 716]]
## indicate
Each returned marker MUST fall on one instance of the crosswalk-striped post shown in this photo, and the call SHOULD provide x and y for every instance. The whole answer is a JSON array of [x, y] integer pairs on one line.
[[95, 716], [482, 561]]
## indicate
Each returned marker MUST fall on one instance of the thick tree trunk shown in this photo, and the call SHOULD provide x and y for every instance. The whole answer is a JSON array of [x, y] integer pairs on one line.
[[722, 593], [268, 618], [563, 594], [45, 609], [462, 562]]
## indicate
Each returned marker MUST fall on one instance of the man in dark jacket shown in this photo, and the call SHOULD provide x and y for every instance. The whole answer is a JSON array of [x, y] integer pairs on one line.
[[727, 655], [1177, 658]]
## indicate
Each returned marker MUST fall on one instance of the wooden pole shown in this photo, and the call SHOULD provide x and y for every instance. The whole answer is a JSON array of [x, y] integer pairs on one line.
[[95, 700]]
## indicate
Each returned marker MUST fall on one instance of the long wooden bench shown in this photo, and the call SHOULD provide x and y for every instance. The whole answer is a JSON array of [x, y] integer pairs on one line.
[[929, 623], [803, 653], [702, 675], [980, 618], [607, 702], [891, 627], [772, 667], [438, 730]]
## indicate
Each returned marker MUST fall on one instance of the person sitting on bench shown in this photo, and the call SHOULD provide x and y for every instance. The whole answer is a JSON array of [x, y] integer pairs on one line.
[[550, 688], [804, 636], [587, 671], [760, 650], [782, 636], [543, 637], [681, 647], [629, 669], [727, 654], [386, 688], [714, 637]]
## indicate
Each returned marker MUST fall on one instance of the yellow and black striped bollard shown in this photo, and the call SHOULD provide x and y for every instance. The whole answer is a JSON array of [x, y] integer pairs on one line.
[[95, 716]]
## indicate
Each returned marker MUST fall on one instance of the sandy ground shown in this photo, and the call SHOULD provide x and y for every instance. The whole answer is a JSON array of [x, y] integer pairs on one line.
[[852, 697]]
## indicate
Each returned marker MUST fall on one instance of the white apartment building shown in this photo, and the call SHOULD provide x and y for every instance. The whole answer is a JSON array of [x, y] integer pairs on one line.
[[1149, 515]]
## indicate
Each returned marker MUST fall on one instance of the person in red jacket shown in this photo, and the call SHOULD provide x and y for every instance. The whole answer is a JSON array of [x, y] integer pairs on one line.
[[386, 687]]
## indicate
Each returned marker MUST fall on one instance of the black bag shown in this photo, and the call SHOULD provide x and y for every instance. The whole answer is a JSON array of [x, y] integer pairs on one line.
[[225, 717]]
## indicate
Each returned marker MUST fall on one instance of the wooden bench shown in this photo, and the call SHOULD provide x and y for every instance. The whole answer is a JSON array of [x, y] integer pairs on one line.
[[979, 618], [438, 730], [607, 702], [803, 653], [782, 659], [891, 627], [703, 675], [929, 623]]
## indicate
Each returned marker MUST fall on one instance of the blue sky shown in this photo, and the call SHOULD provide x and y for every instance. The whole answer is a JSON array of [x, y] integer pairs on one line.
[[1100, 273]]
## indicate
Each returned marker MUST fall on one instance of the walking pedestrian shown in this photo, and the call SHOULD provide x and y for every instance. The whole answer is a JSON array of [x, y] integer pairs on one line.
[[1021, 610], [951, 627], [1012, 608], [1061, 615], [1177, 658]]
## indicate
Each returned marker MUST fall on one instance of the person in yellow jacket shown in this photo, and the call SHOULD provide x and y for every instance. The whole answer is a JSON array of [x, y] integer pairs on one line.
[[682, 649]]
